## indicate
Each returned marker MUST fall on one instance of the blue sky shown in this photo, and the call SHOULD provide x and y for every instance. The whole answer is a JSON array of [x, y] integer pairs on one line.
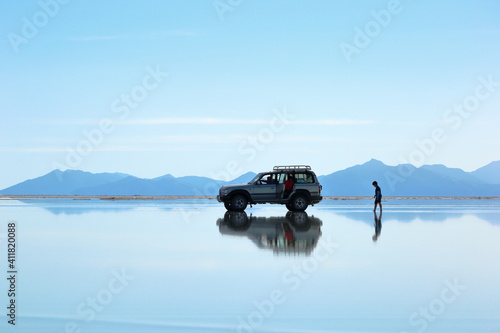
[[218, 88]]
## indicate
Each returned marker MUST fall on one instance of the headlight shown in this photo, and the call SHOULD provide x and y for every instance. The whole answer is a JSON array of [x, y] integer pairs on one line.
[[224, 191]]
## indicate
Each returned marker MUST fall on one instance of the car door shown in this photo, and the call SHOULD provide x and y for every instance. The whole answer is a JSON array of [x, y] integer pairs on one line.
[[264, 189], [280, 187]]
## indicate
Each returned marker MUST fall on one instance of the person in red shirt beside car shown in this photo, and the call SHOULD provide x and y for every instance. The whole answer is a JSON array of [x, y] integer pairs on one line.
[[288, 186]]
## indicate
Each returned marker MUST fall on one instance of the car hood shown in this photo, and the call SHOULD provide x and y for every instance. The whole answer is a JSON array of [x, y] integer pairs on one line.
[[234, 186]]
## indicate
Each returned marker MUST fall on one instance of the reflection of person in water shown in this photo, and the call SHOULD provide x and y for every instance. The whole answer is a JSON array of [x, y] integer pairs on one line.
[[378, 225], [289, 238]]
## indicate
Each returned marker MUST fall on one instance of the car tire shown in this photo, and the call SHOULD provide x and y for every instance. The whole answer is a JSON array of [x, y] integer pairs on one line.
[[239, 202], [227, 204], [238, 221], [299, 203], [289, 206], [299, 220]]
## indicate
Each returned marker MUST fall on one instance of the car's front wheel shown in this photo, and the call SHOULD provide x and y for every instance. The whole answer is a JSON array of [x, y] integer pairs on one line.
[[239, 202], [237, 220], [227, 204], [299, 203]]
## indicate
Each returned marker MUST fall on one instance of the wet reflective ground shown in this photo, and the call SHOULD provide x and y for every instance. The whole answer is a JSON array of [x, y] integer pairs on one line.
[[190, 266]]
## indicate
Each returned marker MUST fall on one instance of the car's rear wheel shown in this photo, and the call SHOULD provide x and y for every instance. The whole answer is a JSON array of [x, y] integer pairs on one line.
[[299, 203], [300, 220], [239, 202]]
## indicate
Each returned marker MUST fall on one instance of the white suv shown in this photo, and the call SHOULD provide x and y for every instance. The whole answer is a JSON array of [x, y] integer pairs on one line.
[[269, 187]]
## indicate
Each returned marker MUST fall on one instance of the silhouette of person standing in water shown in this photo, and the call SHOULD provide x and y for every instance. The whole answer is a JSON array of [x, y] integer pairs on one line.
[[378, 196], [378, 225]]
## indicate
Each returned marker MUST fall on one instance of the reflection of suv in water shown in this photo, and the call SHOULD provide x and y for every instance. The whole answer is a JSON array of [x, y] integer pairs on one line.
[[303, 189], [294, 233]]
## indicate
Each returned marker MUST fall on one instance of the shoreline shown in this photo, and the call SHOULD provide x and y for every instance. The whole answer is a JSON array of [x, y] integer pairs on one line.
[[213, 197]]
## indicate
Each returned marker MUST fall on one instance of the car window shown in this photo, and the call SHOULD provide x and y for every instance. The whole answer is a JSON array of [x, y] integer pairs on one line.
[[257, 177], [304, 178], [268, 179], [282, 178]]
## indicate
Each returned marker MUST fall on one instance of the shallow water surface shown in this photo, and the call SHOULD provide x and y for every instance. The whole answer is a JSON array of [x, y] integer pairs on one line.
[[189, 266]]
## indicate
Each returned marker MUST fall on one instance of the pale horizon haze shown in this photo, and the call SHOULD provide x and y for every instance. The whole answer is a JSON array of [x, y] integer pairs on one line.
[[220, 88]]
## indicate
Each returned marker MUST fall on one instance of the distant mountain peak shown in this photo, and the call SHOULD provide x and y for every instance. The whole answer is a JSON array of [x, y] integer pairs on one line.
[[494, 164], [167, 176], [375, 161], [428, 180], [59, 182], [489, 173]]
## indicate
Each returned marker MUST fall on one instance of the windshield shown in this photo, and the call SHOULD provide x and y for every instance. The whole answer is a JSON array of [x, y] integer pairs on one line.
[[257, 177]]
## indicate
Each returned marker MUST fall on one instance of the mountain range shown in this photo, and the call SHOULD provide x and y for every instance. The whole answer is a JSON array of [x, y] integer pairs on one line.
[[400, 180]]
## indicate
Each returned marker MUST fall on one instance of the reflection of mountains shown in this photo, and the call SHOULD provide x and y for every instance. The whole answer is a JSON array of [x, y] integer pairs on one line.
[[492, 217], [487, 210], [86, 206], [295, 233]]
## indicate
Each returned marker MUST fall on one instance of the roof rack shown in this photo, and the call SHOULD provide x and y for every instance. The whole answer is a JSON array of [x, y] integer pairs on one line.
[[291, 167]]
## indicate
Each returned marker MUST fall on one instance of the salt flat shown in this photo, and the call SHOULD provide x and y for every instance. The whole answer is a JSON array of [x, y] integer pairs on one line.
[[186, 265]]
